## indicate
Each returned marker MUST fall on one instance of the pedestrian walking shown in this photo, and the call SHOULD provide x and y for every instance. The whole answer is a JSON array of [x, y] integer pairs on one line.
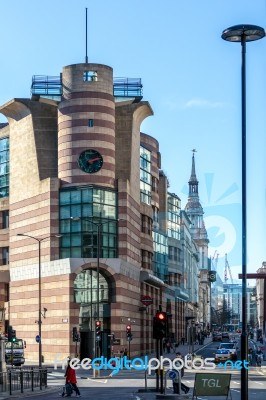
[[176, 346], [250, 355], [71, 379], [259, 357]]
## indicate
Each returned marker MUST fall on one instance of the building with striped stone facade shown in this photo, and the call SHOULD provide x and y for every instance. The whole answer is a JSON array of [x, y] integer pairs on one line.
[[75, 163]]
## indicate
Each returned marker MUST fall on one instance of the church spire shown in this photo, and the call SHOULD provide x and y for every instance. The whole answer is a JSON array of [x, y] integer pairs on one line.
[[193, 207], [193, 182]]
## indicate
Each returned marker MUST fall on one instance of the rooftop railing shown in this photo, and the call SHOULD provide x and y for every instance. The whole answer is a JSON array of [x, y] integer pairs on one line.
[[50, 86]]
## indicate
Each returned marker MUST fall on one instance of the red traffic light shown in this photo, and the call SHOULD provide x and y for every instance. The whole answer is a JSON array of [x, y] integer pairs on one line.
[[161, 316], [160, 328], [98, 327]]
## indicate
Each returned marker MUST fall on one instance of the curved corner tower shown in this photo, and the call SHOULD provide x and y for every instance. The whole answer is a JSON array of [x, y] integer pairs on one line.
[[86, 126]]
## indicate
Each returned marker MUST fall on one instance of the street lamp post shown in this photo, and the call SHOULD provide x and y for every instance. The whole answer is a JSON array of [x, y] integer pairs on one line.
[[39, 240], [243, 34]]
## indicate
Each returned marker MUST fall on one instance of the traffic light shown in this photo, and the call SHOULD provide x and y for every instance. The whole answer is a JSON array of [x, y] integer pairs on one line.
[[128, 331], [11, 334], [98, 325], [160, 325], [75, 334]]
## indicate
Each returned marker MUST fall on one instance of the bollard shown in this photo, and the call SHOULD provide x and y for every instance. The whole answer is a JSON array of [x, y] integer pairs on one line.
[[165, 381], [21, 381], [96, 372], [145, 379]]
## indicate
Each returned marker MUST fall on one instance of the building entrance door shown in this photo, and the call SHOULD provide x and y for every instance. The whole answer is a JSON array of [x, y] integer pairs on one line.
[[86, 294]]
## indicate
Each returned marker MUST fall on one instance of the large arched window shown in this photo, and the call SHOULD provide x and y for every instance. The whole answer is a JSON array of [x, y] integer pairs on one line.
[[85, 288], [86, 294]]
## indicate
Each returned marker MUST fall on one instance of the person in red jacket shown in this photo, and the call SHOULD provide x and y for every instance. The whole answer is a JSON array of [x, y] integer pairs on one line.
[[71, 378]]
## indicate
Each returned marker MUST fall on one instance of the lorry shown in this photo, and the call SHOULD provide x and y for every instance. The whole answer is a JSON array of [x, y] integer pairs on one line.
[[14, 352]]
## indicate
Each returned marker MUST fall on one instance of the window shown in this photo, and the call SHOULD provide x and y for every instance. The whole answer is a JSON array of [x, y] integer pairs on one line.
[[5, 255], [90, 123], [145, 175], [4, 167], [160, 256], [154, 184], [5, 219], [174, 206], [92, 206], [173, 253], [146, 224], [89, 76], [146, 259]]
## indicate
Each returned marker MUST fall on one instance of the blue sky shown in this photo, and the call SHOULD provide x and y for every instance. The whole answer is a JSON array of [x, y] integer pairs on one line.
[[190, 76]]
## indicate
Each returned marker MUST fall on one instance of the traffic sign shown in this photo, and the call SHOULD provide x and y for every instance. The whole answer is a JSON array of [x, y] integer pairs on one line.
[[211, 384], [146, 300], [172, 374], [38, 339]]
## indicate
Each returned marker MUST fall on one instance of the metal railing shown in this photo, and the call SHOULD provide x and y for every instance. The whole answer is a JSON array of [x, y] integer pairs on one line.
[[44, 85], [23, 379]]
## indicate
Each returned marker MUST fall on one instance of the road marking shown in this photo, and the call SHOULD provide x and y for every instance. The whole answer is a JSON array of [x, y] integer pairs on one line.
[[237, 383], [56, 374], [259, 383], [238, 391], [97, 380]]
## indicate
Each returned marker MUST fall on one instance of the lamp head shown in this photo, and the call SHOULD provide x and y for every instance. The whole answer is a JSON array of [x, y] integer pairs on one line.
[[239, 32]]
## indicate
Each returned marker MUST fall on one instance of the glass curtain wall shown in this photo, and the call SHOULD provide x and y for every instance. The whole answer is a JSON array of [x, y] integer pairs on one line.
[[82, 212], [160, 256], [145, 175]]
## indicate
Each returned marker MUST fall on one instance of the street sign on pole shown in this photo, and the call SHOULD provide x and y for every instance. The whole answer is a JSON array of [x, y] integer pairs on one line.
[[172, 375], [146, 300], [38, 338]]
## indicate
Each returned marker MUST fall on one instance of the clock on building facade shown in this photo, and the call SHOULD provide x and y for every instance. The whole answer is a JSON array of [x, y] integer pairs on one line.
[[90, 161]]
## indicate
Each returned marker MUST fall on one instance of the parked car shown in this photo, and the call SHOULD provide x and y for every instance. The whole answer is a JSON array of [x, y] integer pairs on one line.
[[225, 335], [217, 337], [222, 355]]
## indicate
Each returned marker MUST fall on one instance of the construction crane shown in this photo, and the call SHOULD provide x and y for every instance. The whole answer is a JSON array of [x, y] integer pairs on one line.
[[227, 268], [215, 260]]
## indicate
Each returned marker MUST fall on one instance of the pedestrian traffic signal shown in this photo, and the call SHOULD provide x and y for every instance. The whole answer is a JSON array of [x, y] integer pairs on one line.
[[11, 334], [160, 325]]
